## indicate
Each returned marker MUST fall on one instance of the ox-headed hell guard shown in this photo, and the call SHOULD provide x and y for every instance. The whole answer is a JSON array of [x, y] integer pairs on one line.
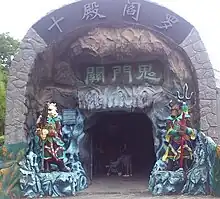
[[180, 136]]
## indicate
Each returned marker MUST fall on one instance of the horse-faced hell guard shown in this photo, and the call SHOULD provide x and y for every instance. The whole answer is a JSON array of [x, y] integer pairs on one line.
[[49, 132]]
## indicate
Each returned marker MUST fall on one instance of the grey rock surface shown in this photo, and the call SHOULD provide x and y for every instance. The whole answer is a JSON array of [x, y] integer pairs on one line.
[[18, 106], [207, 91], [20, 69]]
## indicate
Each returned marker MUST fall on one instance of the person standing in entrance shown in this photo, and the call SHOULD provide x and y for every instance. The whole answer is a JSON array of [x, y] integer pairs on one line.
[[126, 161]]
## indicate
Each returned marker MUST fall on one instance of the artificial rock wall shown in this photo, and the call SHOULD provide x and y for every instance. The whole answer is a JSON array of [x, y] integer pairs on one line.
[[207, 91], [32, 44]]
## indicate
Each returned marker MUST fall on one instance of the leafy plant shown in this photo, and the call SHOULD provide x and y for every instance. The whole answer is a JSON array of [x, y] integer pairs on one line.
[[2, 140], [216, 174], [10, 156], [8, 48], [3, 83]]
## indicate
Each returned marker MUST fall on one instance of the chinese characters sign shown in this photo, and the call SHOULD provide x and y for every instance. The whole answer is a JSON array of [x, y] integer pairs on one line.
[[151, 72], [95, 13], [91, 11], [95, 74], [69, 116], [132, 9]]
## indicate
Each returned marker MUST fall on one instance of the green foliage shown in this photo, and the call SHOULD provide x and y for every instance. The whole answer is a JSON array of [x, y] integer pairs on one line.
[[2, 139], [3, 83], [8, 47], [215, 177], [10, 156]]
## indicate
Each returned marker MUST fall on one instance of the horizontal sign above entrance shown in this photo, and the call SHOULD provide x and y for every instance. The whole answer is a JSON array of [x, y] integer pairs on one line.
[[110, 13], [150, 72]]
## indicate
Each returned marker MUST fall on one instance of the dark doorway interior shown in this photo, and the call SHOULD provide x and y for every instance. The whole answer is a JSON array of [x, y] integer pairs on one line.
[[114, 129]]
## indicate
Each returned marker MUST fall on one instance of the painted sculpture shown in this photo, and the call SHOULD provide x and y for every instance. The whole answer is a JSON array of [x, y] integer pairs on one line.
[[190, 162], [179, 136], [49, 132], [52, 165]]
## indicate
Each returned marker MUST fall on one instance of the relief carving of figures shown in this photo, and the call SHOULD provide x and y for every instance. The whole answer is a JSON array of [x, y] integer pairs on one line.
[[93, 99], [121, 98], [143, 96], [117, 97]]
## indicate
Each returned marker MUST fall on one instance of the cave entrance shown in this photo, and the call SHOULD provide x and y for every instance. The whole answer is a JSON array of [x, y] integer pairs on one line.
[[110, 134]]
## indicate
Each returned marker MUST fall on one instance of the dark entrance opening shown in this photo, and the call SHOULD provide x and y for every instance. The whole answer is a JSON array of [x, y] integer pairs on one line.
[[111, 132]]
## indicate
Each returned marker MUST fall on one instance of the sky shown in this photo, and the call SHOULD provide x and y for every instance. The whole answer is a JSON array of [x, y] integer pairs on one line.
[[17, 16]]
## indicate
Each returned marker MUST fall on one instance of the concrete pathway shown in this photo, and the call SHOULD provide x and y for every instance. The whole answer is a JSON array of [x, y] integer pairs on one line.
[[137, 196], [115, 187], [133, 196]]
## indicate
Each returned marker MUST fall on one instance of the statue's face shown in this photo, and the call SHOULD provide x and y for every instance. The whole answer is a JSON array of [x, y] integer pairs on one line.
[[144, 94], [43, 134], [120, 94], [175, 110]]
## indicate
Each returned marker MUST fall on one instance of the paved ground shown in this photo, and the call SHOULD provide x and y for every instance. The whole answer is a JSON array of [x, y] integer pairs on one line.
[[114, 187], [115, 184], [133, 196]]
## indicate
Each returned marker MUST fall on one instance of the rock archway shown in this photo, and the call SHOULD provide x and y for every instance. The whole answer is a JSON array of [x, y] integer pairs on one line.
[[39, 38], [47, 68], [55, 74]]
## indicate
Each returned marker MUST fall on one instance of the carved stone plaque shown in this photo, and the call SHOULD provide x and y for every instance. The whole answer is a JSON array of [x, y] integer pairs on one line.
[[69, 116], [86, 13], [136, 73]]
